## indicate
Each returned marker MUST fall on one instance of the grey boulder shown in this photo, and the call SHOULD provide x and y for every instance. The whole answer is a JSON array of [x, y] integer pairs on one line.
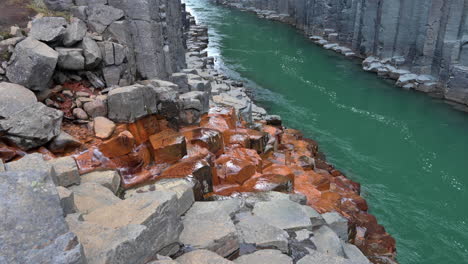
[[63, 142], [48, 29], [101, 16], [92, 53], [70, 59], [129, 103], [327, 241], [34, 230], [211, 229], [75, 32], [33, 126], [14, 98], [109, 179], [284, 214], [254, 230], [32, 65]]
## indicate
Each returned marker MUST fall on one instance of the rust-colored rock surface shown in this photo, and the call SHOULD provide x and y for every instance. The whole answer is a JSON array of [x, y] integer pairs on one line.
[[168, 146], [221, 156]]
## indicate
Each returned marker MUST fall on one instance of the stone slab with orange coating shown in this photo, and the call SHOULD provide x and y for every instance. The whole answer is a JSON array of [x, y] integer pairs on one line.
[[118, 146], [168, 146]]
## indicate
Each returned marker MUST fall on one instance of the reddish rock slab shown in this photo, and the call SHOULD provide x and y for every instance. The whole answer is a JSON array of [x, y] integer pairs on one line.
[[216, 122], [233, 170], [168, 146], [268, 182], [236, 139], [208, 138], [228, 113], [118, 146], [258, 139], [247, 154], [143, 128], [197, 170]]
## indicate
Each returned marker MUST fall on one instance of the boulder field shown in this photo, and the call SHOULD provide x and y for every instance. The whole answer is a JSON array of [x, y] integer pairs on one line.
[[420, 44], [166, 164]]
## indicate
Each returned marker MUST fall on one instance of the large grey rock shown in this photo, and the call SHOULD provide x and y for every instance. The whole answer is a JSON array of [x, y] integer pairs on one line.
[[229, 206], [268, 256], [182, 187], [168, 99], [33, 230], [75, 33], [33, 126], [254, 230], [110, 245], [63, 142], [353, 253], [202, 256], [48, 29], [66, 171], [2, 166], [32, 65], [337, 223], [33, 161], [70, 59], [91, 196], [14, 98], [284, 214], [127, 104], [210, 229], [109, 179], [327, 241], [101, 16], [92, 53], [156, 212]]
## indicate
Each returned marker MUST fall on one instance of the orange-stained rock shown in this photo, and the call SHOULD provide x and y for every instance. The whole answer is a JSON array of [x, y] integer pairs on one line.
[[228, 113], [197, 170], [280, 170], [218, 122], [208, 138], [249, 155], [87, 161], [46, 154], [9, 153], [233, 170], [234, 139], [168, 146], [258, 139], [143, 128], [267, 182], [118, 146], [144, 176], [273, 131]]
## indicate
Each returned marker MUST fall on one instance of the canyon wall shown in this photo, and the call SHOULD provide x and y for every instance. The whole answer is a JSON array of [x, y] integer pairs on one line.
[[428, 37]]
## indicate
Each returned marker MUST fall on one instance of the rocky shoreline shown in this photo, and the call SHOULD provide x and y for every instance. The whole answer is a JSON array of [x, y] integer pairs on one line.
[[384, 51], [105, 159]]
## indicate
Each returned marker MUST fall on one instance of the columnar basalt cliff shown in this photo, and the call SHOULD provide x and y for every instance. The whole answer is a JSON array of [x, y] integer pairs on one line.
[[402, 38], [119, 143]]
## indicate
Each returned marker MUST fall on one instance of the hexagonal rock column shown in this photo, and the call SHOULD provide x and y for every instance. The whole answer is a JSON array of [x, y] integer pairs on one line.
[[168, 146]]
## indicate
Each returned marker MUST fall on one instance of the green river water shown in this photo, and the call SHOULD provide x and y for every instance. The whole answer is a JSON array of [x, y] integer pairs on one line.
[[408, 151]]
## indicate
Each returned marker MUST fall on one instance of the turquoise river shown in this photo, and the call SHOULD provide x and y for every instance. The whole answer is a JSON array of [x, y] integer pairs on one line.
[[408, 150]]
